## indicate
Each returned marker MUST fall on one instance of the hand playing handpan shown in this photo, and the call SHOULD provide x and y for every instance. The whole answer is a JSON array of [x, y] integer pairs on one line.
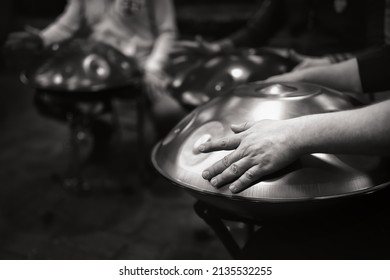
[[260, 148]]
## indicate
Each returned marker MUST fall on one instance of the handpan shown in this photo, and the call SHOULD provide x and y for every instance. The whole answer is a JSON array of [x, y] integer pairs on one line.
[[313, 180], [81, 66], [202, 78]]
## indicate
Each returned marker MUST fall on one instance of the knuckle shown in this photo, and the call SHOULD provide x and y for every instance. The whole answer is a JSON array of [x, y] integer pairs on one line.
[[225, 161], [234, 169], [223, 143], [249, 175]]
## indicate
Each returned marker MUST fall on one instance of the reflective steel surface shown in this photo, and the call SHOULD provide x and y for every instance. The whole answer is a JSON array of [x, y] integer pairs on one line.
[[313, 177], [81, 66], [203, 78]]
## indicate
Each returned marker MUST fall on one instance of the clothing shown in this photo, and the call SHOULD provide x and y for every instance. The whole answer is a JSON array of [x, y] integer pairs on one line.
[[320, 27], [133, 33], [374, 70]]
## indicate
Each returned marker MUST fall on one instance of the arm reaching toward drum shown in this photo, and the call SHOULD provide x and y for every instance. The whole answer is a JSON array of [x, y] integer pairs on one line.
[[342, 76], [263, 147], [29, 39], [368, 72], [156, 79], [66, 25]]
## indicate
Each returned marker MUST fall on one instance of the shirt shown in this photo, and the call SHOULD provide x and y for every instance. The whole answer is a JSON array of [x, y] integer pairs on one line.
[[147, 34], [374, 70]]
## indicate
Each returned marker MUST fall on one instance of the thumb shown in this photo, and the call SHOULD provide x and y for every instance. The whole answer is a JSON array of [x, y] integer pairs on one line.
[[237, 128]]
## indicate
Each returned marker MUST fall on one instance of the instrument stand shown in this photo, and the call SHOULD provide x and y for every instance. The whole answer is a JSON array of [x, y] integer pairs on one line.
[[81, 142], [215, 219], [84, 118], [339, 235]]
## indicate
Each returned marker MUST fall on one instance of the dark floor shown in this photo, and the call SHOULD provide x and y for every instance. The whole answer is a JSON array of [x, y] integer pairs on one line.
[[122, 217]]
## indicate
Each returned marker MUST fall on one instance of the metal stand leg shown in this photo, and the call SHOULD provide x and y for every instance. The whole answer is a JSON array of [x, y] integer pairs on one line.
[[141, 145], [78, 135], [219, 228]]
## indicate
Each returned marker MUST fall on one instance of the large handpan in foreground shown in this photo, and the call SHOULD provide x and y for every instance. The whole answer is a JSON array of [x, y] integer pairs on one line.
[[317, 180]]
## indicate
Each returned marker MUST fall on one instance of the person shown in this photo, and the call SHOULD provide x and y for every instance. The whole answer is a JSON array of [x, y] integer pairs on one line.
[[142, 29], [363, 74], [314, 32], [263, 147], [357, 228]]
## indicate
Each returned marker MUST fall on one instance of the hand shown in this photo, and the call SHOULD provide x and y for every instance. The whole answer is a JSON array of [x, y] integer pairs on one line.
[[156, 83], [295, 76], [312, 62], [305, 61], [26, 40], [260, 148], [208, 47], [184, 46], [199, 45]]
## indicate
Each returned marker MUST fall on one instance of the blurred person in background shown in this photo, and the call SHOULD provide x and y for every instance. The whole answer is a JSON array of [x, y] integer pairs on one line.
[[141, 29], [315, 32]]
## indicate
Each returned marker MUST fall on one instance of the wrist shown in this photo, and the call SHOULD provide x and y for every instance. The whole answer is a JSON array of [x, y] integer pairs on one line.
[[298, 136]]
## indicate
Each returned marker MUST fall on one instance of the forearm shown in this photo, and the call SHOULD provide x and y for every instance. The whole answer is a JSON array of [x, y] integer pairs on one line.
[[161, 50], [360, 131], [65, 26], [342, 76], [166, 31]]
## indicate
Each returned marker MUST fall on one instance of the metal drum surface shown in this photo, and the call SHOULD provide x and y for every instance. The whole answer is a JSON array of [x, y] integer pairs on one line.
[[81, 66], [317, 179], [202, 78]]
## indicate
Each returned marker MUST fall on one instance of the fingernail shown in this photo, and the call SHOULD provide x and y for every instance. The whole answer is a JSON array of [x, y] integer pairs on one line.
[[233, 188], [206, 174], [201, 148], [213, 182]]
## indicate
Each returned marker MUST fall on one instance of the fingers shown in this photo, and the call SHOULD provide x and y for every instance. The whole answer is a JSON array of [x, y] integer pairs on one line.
[[272, 79], [237, 128], [218, 167], [296, 76], [242, 173], [226, 143], [185, 43], [248, 179], [230, 173], [23, 40]]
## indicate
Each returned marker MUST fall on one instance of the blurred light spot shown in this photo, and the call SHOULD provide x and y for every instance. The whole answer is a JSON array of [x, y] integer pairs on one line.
[[256, 59], [58, 79], [237, 73], [177, 83]]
